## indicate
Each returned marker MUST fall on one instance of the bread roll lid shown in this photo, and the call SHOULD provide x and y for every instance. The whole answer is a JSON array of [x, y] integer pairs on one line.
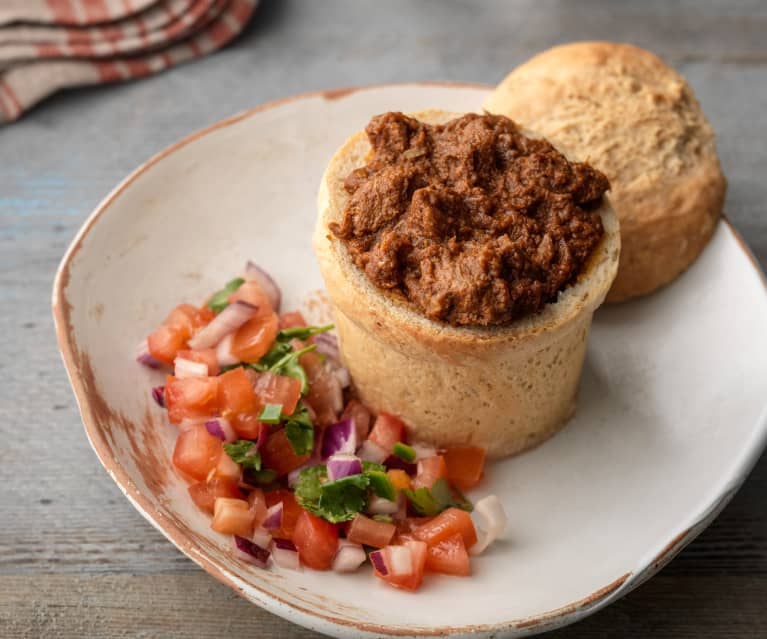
[[399, 323]]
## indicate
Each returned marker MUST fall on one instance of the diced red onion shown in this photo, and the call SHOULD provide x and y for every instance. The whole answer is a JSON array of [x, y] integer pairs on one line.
[[379, 562], [262, 537], [285, 554], [286, 544], [185, 368], [343, 376], [327, 344], [273, 517], [422, 451], [370, 451], [336, 394], [490, 520], [400, 560], [250, 552], [255, 273], [394, 462], [340, 437], [221, 428], [144, 357], [158, 395], [227, 321], [349, 556], [224, 355], [380, 506], [343, 465]]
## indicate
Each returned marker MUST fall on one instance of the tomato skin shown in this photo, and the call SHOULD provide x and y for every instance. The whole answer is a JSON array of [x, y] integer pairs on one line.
[[387, 431], [205, 356], [235, 393], [446, 524], [251, 293], [232, 517], [316, 541], [292, 319], [449, 557], [197, 452], [291, 511], [278, 389], [184, 317], [277, 454], [165, 343], [465, 465], [370, 532], [247, 426], [193, 398], [204, 493], [430, 469], [254, 338]]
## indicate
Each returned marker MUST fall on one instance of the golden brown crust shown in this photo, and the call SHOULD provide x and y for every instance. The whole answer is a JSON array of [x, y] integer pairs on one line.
[[504, 388], [624, 110]]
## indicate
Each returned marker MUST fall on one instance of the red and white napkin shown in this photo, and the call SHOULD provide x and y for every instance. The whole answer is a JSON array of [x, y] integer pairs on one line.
[[48, 45]]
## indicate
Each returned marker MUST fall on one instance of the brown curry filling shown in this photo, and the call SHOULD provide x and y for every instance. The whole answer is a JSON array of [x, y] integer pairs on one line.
[[471, 221]]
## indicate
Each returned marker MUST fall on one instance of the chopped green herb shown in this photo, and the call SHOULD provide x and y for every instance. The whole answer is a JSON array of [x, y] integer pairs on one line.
[[270, 414], [302, 332], [300, 430], [244, 452], [219, 301], [403, 451], [288, 365], [335, 501], [369, 465], [262, 477], [381, 485], [429, 503], [386, 519]]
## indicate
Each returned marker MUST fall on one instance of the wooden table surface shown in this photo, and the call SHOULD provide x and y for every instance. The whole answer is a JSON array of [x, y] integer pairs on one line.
[[76, 560]]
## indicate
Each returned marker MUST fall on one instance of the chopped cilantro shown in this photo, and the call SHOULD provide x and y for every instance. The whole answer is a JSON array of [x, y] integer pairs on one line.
[[270, 414], [369, 465], [262, 477], [335, 501], [219, 301], [300, 430], [244, 452], [302, 332], [403, 451]]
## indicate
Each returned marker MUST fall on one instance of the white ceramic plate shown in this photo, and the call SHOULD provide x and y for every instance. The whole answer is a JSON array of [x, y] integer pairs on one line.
[[671, 415]]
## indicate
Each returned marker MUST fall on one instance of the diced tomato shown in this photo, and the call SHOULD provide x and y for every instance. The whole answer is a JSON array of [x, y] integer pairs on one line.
[[413, 580], [387, 431], [316, 541], [235, 393], [290, 511], [197, 452], [399, 479], [370, 532], [277, 454], [311, 362], [465, 465], [448, 523], [278, 389], [184, 317], [232, 517], [203, 317], [324, 388], [430, 469], [252, 293], [257, 503], [449, 557], [205, 356], [254, 338], [166, 342], [227, 468], [292, 319], [247, 426], [191, 398], [356, 410], [204, 493]]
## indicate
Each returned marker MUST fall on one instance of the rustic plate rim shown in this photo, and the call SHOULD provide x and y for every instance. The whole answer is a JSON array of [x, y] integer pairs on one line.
[[564, 615]]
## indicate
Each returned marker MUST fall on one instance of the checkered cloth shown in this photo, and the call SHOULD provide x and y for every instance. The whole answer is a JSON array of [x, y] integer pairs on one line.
[[47, 45]]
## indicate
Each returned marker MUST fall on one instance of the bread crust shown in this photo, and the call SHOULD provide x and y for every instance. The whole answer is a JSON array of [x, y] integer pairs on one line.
[[622, 109], [504, 388]]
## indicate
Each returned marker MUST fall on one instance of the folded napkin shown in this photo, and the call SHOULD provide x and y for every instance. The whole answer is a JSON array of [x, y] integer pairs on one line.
[[47, 45]]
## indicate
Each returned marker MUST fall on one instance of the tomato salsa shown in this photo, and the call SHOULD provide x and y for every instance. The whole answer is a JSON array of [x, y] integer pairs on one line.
[[283, 457]]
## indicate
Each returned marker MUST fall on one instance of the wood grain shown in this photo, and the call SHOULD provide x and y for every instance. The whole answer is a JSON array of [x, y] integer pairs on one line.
[[75, 559]]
